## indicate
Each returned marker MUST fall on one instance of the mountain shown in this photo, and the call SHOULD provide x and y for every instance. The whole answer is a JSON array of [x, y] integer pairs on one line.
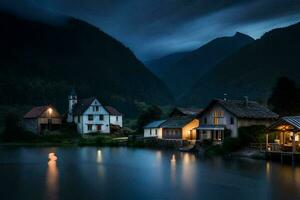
[[40, 62], [160, 66], [253, 70], [184, 73]]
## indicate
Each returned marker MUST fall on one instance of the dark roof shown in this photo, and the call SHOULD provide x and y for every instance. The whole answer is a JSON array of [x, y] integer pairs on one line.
[[179, 111], [244, 109], [177, 122], [112, 111], [36, 112], [155, 124], [291, 120], [82, 106]]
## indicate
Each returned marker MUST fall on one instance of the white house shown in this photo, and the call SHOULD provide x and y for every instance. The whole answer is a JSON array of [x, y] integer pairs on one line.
[[229, 115], [90, 115], [115, 117], [154, 129]]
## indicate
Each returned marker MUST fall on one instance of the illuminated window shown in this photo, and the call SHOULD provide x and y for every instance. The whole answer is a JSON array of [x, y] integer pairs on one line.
[[216, 121]]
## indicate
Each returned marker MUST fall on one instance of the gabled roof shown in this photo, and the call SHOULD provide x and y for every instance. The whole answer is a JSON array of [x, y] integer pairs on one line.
[[291, 120], [155, 124], [177, 122], [179, 111], [112, 111], [36, 112], [243, 109], [82, 105]]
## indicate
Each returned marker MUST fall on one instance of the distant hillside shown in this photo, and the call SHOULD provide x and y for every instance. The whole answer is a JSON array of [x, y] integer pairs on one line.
[[41, 62], [186, 71], [253, 70], [161, 65]]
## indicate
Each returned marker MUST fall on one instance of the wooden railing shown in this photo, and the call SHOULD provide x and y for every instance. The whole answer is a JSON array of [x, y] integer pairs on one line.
[[262, 146], [258, 146]]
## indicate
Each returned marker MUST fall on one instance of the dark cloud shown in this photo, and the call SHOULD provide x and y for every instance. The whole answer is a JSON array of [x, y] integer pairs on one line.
[[152, 28]]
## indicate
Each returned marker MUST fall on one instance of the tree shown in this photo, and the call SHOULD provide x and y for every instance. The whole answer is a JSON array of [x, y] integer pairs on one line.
[[12, 127], [150, 114], [285, 98]]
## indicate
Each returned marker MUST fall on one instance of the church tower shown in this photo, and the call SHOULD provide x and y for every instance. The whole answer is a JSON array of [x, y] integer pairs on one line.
[[72, 101]]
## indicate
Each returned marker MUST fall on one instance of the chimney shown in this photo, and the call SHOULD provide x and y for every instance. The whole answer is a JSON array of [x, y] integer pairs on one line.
[[246, 101]]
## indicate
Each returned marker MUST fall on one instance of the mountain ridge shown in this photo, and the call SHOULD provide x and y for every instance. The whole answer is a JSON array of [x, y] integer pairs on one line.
[[46, 60], [253, 70], [189, 68]]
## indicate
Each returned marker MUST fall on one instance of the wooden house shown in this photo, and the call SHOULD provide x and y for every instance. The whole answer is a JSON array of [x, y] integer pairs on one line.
[[229, 115], [41, 118], [154, 129], [180, 128], [286, 134]]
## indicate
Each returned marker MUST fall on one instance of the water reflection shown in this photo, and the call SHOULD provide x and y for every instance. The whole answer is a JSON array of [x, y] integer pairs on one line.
[[52, 178], [268, 170], [173, 169], [99, 156], [187, 170]]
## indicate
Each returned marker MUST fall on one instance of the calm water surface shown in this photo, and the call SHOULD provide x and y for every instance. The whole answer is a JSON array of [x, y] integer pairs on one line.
[[124, 173]]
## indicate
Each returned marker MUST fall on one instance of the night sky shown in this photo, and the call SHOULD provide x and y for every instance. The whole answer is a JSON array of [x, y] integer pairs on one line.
[[153, 28]]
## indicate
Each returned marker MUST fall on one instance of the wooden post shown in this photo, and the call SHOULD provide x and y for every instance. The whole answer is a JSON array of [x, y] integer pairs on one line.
[[294, 144], [267, 141]]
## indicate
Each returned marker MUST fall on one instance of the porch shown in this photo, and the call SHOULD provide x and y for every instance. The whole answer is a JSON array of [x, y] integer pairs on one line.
[[214, 133], [283, 136]]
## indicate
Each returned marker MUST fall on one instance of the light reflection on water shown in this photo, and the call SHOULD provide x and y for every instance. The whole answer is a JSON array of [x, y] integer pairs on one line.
[[52, 183], [91, 173]]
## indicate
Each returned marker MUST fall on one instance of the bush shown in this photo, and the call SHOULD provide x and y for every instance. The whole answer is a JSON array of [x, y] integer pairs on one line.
[[231, 144], [13, 130], [207, 142], [214, 150], [251, 134]]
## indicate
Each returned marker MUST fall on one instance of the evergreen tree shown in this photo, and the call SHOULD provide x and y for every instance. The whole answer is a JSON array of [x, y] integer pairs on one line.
[[285, 98], [150, 114]]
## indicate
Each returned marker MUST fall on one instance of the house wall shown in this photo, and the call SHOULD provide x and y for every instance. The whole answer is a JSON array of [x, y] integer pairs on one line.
[[251, 122], [223, 121], [172, 133], [190, 129], [54, 114], [153, 132], [31, 125], [116, 120], [82, 126]]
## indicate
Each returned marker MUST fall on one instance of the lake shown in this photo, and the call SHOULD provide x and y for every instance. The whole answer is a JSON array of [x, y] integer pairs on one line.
[[129, 173]]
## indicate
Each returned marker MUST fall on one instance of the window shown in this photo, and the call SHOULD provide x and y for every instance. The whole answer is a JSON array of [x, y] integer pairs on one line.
[[155, 131], [90, 117], [89, 127], [231, 120], [99, 127], [101, 117], [117, 118], [96, 108], [205, 120], [216, 121], [78, 119]]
